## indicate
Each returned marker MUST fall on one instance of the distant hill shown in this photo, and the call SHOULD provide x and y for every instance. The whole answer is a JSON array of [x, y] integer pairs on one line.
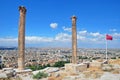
[[8, 48]]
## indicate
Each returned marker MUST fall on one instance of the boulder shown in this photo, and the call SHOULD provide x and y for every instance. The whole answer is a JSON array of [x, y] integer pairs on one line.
[[116, 66], [3, 75], [6, 69], [9, 73], [107, 67]]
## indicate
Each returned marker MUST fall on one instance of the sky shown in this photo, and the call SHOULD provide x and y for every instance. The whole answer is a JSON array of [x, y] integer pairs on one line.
[[48, 23]]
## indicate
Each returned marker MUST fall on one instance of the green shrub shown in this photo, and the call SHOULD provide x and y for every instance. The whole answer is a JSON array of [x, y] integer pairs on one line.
[[83, 57], [40, 75], [60, 63], [38, 67], [113, 58]]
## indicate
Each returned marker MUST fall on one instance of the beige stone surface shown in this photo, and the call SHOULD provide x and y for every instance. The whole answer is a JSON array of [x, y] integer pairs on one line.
[[96, 64], [75, 68]]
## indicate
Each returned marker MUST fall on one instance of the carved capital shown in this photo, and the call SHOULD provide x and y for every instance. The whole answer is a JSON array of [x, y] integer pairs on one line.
[[22, 9], [74, 17]]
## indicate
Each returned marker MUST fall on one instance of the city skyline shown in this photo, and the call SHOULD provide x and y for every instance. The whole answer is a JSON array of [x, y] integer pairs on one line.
[[48, 23]]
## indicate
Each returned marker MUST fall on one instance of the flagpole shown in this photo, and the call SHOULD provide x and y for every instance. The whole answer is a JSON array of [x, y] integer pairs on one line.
[[106, 51], [108, 37]]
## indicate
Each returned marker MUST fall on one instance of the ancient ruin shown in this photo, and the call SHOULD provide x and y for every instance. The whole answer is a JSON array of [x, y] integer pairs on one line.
[[21, 38], [74, 40]]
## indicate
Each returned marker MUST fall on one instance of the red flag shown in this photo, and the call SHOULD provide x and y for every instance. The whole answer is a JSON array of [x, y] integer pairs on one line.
[[108, 37]]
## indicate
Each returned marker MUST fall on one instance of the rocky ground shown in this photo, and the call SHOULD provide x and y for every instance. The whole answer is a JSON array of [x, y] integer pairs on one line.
[[110, 71]]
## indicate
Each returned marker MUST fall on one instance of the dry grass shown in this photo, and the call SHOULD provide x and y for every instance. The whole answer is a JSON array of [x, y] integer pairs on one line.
[[62, 75], [93, 72], [116, 71], [95, 69], [54, 78], [51, 78], [10, 79], [114, 61]]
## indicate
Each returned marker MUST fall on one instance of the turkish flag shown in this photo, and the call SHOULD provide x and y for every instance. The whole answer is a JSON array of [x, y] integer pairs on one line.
[[108, 37]]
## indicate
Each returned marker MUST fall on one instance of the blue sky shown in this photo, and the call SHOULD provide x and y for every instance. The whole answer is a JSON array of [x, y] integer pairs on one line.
[[48, 22]]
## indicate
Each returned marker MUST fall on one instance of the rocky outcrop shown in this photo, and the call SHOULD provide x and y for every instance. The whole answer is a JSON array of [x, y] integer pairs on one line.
[[7, 72]]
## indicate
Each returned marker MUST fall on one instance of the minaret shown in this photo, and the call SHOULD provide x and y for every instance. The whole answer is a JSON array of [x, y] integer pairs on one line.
[[74, 40], [21, 38]]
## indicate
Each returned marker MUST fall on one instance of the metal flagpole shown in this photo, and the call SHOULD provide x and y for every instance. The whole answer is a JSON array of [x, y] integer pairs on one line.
[[106, 51]]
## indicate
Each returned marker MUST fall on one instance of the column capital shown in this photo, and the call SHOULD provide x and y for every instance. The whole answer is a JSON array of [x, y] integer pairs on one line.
[[73, 17], [22, 9]]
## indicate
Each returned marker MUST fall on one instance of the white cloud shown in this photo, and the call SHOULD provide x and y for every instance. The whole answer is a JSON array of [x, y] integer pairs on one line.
[[116, 36], [67, 29], [8, 41], [82, 38], [53, 25], [113, 30], [63, 37], [95, 34], [90, 37], [36, 39], [93, 39], [82, 33]]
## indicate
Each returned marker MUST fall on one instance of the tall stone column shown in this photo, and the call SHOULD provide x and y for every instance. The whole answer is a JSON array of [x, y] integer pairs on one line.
[[21, 38], [74, 40]]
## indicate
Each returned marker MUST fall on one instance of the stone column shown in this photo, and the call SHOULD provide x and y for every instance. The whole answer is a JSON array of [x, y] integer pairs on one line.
[[21, 38], [74, 40]]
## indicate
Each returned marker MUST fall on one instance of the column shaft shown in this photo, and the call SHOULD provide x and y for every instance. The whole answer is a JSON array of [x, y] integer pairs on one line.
[[74, 40], [21, 38]]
